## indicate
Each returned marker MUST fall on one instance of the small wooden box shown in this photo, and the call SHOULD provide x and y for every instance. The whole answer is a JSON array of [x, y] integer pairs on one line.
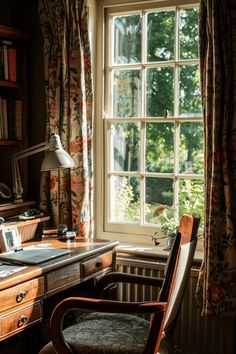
[[27, 228]]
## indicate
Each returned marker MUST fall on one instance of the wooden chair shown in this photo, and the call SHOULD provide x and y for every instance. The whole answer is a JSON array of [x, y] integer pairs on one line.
[[114, 327]]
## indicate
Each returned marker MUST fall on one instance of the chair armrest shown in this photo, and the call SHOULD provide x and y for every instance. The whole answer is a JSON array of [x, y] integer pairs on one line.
[[99, 306], [118, 277]]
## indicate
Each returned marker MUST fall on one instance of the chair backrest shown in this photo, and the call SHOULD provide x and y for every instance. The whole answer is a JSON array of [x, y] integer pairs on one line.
[[177, 272], [188, 229]]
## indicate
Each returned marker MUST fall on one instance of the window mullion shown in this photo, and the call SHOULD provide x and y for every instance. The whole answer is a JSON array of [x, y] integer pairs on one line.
[[176, 167], [176, 114], [176, 73], [108, 168], [142, 170], [108, 104], [143, 124]]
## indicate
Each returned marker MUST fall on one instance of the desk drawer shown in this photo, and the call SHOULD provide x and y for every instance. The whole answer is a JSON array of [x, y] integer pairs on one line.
[[20, 294], [96, 264], [63, 278], [19, 320]]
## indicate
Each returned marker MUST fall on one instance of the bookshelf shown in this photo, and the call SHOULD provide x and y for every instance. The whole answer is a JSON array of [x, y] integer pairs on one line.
[[14, 61]]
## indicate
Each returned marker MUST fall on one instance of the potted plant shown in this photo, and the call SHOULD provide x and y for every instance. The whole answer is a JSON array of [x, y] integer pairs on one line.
[[168, 225]]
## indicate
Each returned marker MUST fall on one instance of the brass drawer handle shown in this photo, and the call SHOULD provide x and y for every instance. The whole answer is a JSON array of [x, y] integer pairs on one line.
[[99, 264], [20, 296], [22, 320]]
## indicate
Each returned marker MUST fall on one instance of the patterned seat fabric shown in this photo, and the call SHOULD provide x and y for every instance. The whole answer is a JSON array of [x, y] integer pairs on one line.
[[105, 333]]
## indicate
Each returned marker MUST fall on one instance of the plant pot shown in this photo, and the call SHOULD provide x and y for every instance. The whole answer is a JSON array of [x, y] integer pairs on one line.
[[169, 241]]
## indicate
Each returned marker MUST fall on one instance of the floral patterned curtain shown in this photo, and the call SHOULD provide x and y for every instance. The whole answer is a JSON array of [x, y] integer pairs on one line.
[[69, 103], [217, 281]]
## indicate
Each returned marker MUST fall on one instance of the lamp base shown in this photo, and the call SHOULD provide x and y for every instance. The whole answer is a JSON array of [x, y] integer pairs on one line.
[[18, 200]]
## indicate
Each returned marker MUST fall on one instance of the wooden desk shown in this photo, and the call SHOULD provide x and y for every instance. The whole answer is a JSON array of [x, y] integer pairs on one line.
[[23, 294]]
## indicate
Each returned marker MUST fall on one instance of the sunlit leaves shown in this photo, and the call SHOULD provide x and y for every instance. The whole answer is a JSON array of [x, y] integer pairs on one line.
[[188, 34], [160, 36]]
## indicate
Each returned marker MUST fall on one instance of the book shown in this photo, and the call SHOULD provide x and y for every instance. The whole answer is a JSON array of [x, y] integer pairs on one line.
[[1, 63], [4, 119], [11, 57], [5, 62], [10, 116], [50, 230], [49, 236], [18, 119], [4, 43], [1, 120]]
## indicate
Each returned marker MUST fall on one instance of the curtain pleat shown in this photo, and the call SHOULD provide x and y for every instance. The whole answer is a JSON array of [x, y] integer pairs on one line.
[[216, 289], [68, 194]]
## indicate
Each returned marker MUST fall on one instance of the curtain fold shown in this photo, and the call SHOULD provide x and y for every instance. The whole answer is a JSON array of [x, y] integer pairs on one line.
[[68, 194], [217, 281]]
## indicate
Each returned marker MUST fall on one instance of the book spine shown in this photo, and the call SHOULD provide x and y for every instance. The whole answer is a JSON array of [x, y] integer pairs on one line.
[[49, 236], [11, 57], [1, 120], [5, 62], [4, 43], [47, 231], [10, 115], [18, 65], [4, 118], [1, 63], [18, 119]]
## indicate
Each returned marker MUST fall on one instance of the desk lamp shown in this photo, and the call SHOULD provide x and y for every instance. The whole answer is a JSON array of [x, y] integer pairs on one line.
[[55, 158]]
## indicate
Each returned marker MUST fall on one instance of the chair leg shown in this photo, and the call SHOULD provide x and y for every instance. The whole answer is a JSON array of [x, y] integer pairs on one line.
[[167, 345]]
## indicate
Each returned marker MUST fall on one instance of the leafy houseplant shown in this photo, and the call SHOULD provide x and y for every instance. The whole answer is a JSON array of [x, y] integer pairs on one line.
[[168, 225]]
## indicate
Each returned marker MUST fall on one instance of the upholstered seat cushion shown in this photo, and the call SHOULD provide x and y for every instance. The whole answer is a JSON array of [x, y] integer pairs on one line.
[[105, 333]]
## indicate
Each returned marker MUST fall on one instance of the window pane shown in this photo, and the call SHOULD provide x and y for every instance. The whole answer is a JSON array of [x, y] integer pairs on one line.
[[191, 155], [160, 147], [188, 34], [125, 146], [127, 39], [190, 99], [127, 93], [191, 197], [160, 92], [158, 191], [160, 36], [125, 199]]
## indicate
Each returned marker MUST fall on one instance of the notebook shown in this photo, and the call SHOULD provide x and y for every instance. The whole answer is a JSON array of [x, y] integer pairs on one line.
[[33, 256]]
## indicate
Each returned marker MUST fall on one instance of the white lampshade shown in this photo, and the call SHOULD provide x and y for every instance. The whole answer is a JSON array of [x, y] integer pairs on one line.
[[56, 157]]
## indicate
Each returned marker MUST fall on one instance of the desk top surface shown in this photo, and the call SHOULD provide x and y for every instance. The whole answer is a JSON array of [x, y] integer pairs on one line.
[[78, 251]]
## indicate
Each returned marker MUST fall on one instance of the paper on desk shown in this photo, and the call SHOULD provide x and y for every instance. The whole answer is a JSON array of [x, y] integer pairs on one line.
[[8, 269]]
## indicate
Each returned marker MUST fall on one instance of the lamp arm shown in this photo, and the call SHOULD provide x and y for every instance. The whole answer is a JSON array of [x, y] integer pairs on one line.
[[16, 179], [24, 154], [31, 150]]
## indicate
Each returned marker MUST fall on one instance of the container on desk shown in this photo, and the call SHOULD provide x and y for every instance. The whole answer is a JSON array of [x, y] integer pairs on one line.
[[27, 228]]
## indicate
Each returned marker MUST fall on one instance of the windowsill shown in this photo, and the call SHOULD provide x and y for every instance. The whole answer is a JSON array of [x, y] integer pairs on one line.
[[147, 249], [156, 251]]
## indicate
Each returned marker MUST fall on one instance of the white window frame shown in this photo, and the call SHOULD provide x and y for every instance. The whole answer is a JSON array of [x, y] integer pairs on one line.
[[124, 232]]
